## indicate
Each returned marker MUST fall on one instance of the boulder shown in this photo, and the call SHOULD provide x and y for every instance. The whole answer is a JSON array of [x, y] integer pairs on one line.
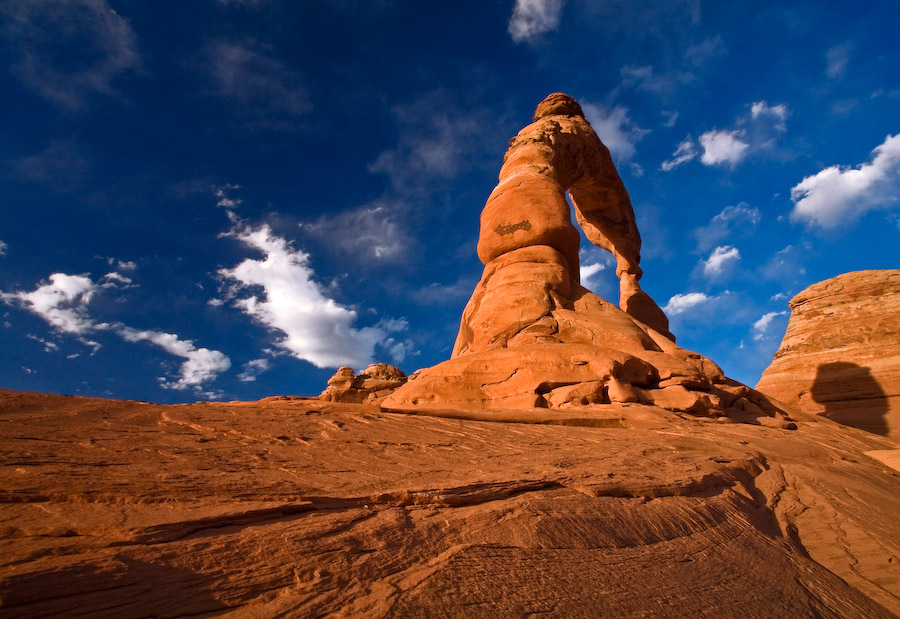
[[371, 386]]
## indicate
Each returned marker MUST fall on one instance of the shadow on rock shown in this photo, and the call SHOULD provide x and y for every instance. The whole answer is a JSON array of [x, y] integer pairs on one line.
[[851, 396]]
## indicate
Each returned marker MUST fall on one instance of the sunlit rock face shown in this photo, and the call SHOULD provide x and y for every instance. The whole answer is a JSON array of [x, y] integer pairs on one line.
[[840, 356], [371, 386], [531, 335]]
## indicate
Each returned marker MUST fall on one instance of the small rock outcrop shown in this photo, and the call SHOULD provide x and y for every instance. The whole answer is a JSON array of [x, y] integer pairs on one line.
[[840, 356], [531, 335], [371, 386]]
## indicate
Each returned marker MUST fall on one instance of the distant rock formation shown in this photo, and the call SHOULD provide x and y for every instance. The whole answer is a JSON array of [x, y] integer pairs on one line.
[[531, 336], [371, 386], [840, 356]]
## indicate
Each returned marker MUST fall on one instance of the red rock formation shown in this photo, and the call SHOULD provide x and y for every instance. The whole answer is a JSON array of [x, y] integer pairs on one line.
[[371, 386], [531, 336], [303, 508], [840, 356]]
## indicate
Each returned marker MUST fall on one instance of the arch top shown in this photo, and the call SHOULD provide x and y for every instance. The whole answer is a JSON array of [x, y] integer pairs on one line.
[[557, 104]]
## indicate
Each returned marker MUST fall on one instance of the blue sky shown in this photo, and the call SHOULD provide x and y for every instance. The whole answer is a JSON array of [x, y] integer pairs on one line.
[[228, 199]]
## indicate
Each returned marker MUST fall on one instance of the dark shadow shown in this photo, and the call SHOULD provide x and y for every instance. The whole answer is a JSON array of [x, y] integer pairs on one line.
[[851, 396]]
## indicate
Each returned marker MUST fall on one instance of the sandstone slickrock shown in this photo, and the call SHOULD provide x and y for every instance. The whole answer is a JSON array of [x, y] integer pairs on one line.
[[531, 335], [299, 507], [840, 356], [371, 386]]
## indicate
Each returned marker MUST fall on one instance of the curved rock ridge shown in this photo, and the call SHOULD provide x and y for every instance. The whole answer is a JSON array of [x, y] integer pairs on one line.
[[531, 335], [840, 356]]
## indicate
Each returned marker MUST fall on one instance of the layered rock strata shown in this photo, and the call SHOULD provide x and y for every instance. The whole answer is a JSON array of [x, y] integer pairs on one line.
[[531, 335], [371, 386], [840, 356]]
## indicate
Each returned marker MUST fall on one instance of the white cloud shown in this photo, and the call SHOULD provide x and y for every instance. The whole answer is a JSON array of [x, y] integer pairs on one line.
[[252, 369], [43, 33], [720, 259], [836, 60], [732, 219], [588, 271], [838, 195], [615, 129], [647, 79], [63, 304], [201, 364], [685, 152], [315, 327], [680, 303], [3, 248], [531, 18], [671, 118], [722, 147], [761, 326], [777, 113]]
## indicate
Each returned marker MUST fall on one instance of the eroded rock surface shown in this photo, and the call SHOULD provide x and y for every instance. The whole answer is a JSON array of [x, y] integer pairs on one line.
[[840, 356], [532, 336], [372, 385], [299, 507]]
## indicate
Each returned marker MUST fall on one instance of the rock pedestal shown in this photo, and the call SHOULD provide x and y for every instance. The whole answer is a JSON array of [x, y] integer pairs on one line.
[[840, 356], [371, 386], [531, 335]]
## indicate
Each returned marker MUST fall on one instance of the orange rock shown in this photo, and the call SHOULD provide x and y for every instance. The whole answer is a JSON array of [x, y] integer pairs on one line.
[[372, 385], [840, 356], [531, 336]]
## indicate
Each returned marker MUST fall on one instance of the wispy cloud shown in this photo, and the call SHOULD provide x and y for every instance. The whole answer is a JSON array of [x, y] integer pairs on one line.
[[761, 328], [732, 220], [42, 33], [531, 18], [63, 304], [3, 248], [369, 232], [252, 369], [615, 128], [62, 165], [248, 73], [283, 295], [837, 195], [686, 151], [836, 60]]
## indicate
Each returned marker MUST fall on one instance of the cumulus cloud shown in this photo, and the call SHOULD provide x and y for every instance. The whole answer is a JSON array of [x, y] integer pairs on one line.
[[531, 18], [42, 34], [732, 219], [686, 151], [589, 271], [248, 73], [723, 147], [201, 364], [615, 128], [252, 369], [761, 326], [682, 302], [838, 195], [285, 297], [63, 304], [720, 259]]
